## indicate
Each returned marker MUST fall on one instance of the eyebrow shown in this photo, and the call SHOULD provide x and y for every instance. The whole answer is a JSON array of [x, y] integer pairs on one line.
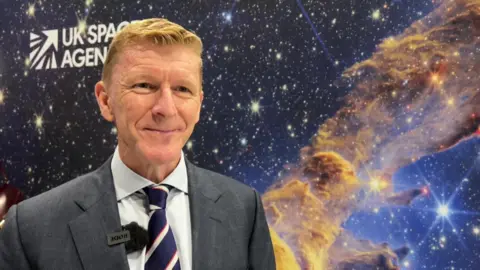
[[144, 75]]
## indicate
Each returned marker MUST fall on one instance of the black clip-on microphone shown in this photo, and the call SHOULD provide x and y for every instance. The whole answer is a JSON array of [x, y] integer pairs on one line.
[[134, 236]]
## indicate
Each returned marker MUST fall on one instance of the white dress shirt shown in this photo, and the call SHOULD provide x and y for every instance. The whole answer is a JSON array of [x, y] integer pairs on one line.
[[133, 206]]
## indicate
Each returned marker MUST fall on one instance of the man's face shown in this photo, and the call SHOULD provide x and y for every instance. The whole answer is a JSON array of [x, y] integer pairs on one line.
[[154, 98]]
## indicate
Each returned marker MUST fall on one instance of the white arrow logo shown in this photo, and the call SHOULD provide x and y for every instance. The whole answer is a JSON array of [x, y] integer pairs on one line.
[[42, 49]]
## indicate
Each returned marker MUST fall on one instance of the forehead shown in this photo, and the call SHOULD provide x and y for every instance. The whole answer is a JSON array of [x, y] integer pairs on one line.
[[149, 55]]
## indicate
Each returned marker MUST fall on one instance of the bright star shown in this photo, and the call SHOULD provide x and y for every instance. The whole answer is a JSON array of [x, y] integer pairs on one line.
[[450, 101], [255, 107], [2, 97], [376, 14], [243, 141], [31, 10], [377, 185], [38, 121], [476, 230], [27, 62], [227, 16], [443, 211], [82, 26], [189, 145]]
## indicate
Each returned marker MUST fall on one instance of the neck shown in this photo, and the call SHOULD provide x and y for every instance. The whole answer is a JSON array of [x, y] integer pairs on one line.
[[155, 172]]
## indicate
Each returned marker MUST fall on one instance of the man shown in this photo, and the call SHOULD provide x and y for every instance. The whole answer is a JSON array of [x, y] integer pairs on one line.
[[151, 88]]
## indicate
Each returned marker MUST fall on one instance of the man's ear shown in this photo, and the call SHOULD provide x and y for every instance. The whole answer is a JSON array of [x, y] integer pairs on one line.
[[103, 100]]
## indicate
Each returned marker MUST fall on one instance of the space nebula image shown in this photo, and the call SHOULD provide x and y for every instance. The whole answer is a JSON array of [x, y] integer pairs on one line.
[[358, 121]]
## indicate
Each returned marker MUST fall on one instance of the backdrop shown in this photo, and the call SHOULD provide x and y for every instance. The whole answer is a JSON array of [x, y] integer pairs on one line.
[[357, 120]]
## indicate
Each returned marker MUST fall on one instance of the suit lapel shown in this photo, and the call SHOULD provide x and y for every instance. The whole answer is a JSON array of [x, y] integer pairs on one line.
[[100, 217], [207, 219]]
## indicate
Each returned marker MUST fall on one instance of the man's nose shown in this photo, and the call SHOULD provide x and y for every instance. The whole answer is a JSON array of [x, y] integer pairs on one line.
[[164, 102]]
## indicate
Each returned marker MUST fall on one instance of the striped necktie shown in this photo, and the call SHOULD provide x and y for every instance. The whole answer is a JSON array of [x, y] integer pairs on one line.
[[161, 250]]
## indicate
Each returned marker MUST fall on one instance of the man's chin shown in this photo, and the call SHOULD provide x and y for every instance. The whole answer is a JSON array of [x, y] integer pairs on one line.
[[159, 154]]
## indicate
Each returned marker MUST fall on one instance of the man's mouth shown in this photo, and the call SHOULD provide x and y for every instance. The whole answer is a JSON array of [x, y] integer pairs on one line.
[[162, 131]]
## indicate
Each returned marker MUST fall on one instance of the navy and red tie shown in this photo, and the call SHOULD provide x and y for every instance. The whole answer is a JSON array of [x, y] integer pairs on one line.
[[161, 250]]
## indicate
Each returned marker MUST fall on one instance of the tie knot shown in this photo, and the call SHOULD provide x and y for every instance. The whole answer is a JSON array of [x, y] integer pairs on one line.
[[157, 195]]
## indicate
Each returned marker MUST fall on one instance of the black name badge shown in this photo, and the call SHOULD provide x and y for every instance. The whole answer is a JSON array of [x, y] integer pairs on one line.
[[118, 238]]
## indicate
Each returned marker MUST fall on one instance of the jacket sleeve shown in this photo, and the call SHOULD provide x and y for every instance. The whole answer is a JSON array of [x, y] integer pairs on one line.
[[261, 256], [12, 256]]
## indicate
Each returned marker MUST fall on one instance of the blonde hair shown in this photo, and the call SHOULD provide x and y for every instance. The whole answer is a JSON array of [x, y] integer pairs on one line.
[[157, 31]]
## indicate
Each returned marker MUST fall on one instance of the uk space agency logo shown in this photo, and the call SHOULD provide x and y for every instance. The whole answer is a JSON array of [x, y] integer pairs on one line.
[[74, 47], [43, 49]]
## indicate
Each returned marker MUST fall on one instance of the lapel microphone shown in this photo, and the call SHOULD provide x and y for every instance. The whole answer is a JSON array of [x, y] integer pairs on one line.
[[134, 237]]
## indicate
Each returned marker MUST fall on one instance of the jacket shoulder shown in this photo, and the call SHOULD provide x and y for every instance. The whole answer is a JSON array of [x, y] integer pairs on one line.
[[57, 205]]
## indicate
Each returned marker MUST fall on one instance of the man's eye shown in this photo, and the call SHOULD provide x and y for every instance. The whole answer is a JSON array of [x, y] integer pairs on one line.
[[144, 85], [183, 89]]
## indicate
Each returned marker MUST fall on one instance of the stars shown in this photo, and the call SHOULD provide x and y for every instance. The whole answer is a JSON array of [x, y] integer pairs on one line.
[[443, 241], [114, 131], [31, 10], [278, 56], [376, 14], [2, 96], [88, 3], [189, 145], [377, 185], [435, 79], [476, 231], [226, 48], [27, 62], [227, 16], [82, 26], [215, 150], [443, 211], [38, 121], [450, 101], [255, 107], [243, 141]]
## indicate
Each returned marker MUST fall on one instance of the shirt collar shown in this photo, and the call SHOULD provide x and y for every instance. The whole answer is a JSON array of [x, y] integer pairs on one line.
[[127, 182]]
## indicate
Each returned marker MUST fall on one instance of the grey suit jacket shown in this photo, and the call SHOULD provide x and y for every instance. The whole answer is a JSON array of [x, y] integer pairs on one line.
[[66, 227]]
